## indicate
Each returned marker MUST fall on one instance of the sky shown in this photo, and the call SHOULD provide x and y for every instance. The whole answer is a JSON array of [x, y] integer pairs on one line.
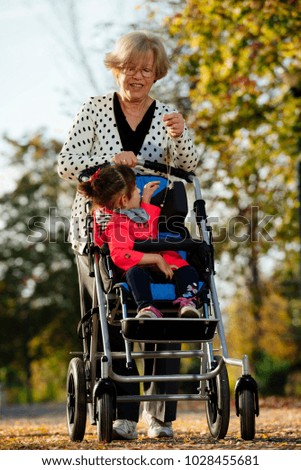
[[36, 48], [42, 83]]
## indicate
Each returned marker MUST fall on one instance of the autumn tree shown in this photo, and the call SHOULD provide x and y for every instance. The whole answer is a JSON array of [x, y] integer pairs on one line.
[[240, 64]]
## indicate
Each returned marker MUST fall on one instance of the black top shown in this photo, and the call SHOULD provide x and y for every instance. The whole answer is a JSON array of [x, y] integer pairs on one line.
[[132, 140]]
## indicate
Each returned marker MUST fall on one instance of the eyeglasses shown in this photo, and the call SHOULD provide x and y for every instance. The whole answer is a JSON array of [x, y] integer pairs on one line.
[[131, 71]]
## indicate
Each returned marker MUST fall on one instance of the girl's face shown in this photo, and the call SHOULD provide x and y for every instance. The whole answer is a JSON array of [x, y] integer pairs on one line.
[[134, 201]]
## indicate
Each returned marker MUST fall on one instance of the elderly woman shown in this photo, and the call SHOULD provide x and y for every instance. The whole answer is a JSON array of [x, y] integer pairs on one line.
[[119, 127]]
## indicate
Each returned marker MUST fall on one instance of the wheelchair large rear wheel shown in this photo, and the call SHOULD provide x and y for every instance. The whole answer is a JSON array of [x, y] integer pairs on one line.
[[218, 404], [247, 414], [76, 408], [104, 418]]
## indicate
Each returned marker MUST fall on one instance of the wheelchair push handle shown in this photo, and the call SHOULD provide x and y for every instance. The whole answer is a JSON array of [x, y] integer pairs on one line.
[[168, 170], [188, 176]]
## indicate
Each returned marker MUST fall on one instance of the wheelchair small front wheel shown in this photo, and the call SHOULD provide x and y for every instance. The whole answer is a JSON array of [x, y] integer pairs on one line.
[[247, 414], [104, 417], [76, 407], [218, 403]]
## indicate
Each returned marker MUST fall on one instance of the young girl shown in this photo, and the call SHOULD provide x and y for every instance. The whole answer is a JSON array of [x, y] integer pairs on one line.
[[113, 190]]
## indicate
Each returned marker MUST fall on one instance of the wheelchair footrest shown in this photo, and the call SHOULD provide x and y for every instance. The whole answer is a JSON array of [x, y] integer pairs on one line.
[[160, 330]]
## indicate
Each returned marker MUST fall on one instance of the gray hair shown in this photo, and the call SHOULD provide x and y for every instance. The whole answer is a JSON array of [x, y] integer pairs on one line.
[[134, 46]]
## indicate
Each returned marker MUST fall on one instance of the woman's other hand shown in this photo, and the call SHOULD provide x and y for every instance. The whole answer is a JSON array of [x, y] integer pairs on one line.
[[125, 158], [174, 123]]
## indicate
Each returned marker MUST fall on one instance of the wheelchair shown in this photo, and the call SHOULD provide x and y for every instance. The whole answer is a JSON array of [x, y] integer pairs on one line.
[[91, 377]]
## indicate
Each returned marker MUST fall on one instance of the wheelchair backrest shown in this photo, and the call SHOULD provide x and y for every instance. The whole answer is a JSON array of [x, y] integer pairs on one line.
[[172, 198], [142, 180]]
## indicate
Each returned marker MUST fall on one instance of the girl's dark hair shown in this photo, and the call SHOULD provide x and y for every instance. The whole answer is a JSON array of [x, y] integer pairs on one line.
[[111, 180]]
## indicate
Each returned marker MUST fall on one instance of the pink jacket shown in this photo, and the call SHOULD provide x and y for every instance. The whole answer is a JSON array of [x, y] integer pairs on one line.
[[121, 234]]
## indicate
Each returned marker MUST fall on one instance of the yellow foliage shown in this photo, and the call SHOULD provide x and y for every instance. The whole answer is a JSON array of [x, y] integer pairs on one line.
[[241, 325], [49, 378], [276, 324], [272, 333]]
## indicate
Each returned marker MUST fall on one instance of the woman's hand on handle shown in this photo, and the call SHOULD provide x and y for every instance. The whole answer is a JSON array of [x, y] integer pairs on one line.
[[125, 158]]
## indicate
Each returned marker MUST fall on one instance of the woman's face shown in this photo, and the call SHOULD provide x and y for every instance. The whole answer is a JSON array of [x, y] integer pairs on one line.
[[136, 80]]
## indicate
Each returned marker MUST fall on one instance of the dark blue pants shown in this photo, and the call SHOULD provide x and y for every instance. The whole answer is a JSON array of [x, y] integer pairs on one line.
[[140, 278]]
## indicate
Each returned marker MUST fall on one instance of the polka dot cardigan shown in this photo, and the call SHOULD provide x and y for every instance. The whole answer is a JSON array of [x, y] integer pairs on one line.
[[94, 139]]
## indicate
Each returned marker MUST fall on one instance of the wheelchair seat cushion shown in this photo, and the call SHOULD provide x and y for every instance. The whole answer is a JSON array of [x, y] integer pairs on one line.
[[166, 291]]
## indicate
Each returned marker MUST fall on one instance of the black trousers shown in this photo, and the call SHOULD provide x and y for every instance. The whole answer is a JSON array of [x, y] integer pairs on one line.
[[128, 411]]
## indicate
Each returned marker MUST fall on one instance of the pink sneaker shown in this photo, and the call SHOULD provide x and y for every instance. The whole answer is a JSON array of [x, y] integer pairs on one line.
[[187, 307], [149, 312]]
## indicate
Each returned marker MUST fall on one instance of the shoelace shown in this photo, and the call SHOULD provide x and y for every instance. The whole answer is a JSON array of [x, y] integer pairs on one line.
[[183, 301]]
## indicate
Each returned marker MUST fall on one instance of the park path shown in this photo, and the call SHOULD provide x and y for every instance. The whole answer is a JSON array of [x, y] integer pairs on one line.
[[44, 427]]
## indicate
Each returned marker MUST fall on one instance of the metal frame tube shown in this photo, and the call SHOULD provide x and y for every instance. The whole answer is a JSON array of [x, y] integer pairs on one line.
[[179, 397], [166, 378], [102, 312], [214, 297]]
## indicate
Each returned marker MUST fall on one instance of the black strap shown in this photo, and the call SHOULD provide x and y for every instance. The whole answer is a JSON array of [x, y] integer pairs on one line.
[[86, 318]]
